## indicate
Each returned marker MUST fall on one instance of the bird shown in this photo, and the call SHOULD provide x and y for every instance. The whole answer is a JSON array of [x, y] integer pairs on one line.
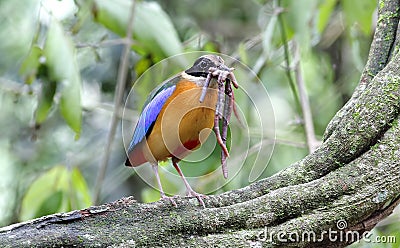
[[177, 117]]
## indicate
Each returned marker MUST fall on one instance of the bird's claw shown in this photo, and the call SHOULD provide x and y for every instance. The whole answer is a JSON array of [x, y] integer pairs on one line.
[[188, 194], [169, 198], [198, 196]]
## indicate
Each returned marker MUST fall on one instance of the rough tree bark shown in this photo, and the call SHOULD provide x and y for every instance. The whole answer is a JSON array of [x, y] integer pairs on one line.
[[353, 176]]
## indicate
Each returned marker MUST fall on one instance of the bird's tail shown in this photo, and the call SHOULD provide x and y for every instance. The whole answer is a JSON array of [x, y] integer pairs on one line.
[[135, 158], [128, 163]]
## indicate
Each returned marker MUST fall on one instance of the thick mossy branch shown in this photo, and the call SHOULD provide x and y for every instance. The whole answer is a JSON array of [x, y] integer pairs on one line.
[[384, 39], [352, 193], [382, 49], [353, 177]]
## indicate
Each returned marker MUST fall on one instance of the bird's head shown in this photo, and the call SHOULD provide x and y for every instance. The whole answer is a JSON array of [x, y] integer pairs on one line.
[[202, 65]]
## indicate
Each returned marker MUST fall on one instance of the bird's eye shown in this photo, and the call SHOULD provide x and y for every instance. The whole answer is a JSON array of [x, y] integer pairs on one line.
[[203, 64]]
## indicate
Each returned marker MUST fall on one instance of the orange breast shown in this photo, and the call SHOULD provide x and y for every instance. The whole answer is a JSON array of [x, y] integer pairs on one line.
[[181, 121]]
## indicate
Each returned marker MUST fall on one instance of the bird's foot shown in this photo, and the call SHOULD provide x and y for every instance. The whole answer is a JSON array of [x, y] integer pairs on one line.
[[199, 197], [169, 198]]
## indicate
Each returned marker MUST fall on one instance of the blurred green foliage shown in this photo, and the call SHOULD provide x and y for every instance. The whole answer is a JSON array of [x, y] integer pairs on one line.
[[66, 189], [59, 66]]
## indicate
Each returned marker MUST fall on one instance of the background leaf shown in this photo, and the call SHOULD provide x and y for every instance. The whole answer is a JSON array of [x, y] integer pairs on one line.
[[359, 12], [57, 190], [51, 203], [61, 62], [45, 101], [80, 192], [41, 190], [30, 65], [152, 28], [325, 10]]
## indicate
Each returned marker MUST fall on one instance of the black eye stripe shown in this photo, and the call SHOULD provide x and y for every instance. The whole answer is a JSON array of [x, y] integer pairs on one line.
[[201, 67]]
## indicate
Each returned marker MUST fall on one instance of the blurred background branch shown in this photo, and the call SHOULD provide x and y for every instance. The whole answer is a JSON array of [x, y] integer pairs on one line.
[[119, 94]]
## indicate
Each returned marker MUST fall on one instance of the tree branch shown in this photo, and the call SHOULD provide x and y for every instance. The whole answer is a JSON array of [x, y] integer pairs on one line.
[[352, 179], [119, 93], [380, 52], [312, 142]]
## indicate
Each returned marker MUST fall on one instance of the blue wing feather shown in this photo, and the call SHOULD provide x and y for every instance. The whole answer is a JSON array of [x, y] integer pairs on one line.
[[152, 108]]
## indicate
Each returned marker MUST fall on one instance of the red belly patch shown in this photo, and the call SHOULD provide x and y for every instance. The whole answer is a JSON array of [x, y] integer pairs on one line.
[[191, 144], [184, 150]]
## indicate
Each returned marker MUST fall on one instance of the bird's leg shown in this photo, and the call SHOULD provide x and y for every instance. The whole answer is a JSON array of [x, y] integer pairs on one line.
[[163, 196], [189, 190]]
